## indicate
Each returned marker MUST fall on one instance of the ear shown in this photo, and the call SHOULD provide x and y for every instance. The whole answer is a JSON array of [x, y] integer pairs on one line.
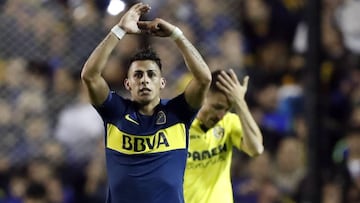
[[126, 84], [162, 83]]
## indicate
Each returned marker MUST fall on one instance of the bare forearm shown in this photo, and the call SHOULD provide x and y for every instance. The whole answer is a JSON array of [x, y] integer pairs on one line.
[[252, 142], [95, 64], [197, 88], [194, 61]]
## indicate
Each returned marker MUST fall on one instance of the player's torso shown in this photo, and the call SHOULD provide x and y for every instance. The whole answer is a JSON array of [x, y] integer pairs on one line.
[[208, 149], [146, 157], [208, 164]]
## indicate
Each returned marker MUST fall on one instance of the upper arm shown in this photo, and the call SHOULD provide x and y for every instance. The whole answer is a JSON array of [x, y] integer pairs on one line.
[[236, 133], [97, 88], [199, 85]]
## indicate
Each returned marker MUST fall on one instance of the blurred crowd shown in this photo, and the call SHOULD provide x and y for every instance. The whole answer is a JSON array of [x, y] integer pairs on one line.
[[51, 145]]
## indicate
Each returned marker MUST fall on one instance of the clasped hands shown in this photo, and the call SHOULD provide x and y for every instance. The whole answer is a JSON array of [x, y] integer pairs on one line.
[[131, 24]]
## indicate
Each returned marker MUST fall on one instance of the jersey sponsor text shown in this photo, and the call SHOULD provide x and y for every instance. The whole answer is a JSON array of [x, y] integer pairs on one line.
[[171, 138], [207, 154]]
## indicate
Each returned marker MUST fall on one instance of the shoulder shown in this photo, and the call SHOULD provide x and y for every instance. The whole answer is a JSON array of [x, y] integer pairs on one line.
[[230, 121], [179, 107], [178, 103], [113, 105], [178, 99], [115, 97], [231, 117]]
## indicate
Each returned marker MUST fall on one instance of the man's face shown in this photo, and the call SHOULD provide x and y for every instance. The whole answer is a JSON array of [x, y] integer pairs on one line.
[[144, 81], [214, 108]]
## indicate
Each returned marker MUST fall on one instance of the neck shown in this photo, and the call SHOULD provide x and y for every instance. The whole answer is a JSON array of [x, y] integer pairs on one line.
[[203, 127], [202, 124], [148, 109]]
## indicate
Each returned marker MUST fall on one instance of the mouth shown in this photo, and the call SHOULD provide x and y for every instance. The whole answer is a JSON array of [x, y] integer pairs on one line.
[[214, 120], [144, 91]]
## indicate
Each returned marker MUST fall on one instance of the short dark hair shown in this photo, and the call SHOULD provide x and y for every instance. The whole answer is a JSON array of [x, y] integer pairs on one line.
[[146, 54], [214, 76]]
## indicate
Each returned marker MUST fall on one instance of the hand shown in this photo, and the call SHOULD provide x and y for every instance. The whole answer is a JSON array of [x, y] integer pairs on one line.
[[230, 85], [157, 27], [128, 21]]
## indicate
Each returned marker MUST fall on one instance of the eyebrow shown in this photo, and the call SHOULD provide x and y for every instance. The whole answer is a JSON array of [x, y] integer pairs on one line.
[[141, 71], [222, 106]]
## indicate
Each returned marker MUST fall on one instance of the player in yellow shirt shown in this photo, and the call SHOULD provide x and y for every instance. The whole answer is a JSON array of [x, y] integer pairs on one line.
[[213, 134]]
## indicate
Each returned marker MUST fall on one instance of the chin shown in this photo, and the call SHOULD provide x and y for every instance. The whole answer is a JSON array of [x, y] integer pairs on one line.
[[209, 124], [145, 100], [212, 123]]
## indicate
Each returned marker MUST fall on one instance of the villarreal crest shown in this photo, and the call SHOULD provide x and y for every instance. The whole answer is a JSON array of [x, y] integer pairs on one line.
[[218, 132]]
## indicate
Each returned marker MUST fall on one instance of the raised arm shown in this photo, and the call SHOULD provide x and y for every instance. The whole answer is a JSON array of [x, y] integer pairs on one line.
[[252, 142], [196, 90], [92, 71]]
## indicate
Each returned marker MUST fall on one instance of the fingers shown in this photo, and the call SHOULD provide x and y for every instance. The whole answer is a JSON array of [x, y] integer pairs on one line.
[[228, 78], [143, 27], [153, 24], [156, 27], [229, 84], [147, 27], [225, 80], [145, 8], [141, 8], [129, 20], [143, 24], [157, 24], [223, 88], [225, 83], [233, 76], [246, 81]]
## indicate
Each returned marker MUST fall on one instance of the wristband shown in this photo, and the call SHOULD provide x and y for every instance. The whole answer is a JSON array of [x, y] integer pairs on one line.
[[176, 33], [118, 32]]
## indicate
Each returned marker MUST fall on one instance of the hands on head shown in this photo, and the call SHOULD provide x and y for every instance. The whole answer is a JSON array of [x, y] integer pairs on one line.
[[130, 22], [229, 83]]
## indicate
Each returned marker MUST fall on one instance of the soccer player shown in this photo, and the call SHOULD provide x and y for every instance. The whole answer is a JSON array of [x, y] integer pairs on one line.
[[213, 134], [146, 137]]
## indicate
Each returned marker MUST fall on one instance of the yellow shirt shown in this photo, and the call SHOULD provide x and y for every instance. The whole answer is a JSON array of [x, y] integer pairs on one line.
[[207, 174]]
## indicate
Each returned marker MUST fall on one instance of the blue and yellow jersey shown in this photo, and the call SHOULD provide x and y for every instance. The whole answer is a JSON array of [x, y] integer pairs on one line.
[[207, 174], [146, 155]]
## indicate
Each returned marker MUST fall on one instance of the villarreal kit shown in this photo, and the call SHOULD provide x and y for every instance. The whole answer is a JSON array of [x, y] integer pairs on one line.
[[146, 155], [207, 174]]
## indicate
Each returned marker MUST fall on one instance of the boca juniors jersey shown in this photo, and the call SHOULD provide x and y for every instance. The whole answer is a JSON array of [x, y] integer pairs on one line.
[[146, 155], [207, 174]]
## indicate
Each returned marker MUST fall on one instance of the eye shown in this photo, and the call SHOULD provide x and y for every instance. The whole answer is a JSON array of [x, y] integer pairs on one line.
[[138, 74], [218, 107], [151, 74]]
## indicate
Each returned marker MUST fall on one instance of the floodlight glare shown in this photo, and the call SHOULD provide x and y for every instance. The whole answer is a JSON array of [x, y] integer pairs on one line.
[[115, 7]]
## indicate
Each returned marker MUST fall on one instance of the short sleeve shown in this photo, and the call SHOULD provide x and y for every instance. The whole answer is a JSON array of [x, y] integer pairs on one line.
[[113, 106], [236, 133], [183, 109]]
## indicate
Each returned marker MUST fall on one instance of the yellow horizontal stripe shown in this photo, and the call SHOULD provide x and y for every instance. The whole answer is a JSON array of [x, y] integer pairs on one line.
[[171, 138]]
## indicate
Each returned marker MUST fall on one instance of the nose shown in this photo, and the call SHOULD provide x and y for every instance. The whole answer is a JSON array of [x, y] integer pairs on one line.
[[220, 114], [145, 79]]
